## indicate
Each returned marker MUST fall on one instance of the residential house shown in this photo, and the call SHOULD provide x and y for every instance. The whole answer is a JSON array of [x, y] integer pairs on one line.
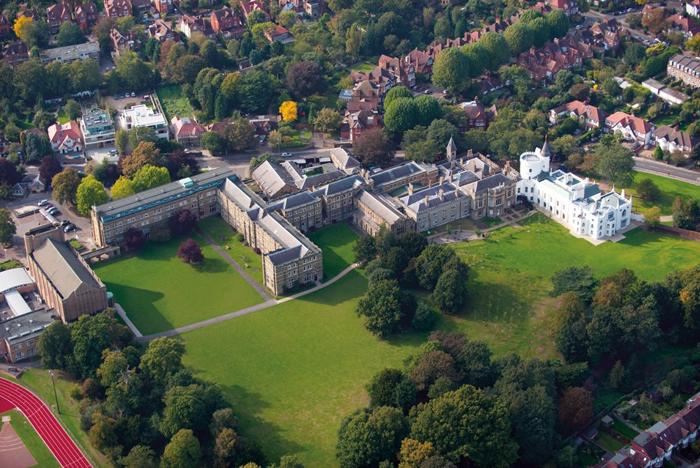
[[589, 115], [14, 53], [187, 131], [605, 35], [570, 7], [477, 116], [630, 127], [86, 50], [685, 68], [189, 24], [142, 115], [313, 8], [227, 22], [163, 7], [56, 15], [574, 202], [5, 26], [364, 97], [278, 33], [117, 8], [97, 128], [674, 140], [85, 15], [249, 6], [403, 72], [162, 31], [688, 26], [692, 7], [124, 43], [420, 61], [263, 124], [556, 55], [356, 123], [65, 138], [669, 95]]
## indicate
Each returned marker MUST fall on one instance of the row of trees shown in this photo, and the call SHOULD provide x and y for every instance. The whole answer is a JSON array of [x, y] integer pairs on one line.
[[454, 406], [140, 405]]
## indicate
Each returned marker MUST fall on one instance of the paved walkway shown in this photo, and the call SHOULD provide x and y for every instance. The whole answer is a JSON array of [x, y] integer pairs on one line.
[[127, 321], [241, 271], [239, 313]]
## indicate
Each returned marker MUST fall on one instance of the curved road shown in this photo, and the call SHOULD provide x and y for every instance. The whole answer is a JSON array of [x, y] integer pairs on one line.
[[45, 424]]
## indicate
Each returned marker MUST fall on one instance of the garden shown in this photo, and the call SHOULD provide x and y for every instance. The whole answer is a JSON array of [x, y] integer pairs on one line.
[[174, 102], [159, 291]]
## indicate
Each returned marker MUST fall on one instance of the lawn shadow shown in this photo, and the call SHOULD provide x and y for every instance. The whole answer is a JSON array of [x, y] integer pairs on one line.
[[139, 307], [213, 264], [247, 405]]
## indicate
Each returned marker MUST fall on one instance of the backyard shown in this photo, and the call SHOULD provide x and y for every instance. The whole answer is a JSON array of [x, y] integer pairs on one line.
[[511, 270], [670, 189], [174, 102], [159, 291]]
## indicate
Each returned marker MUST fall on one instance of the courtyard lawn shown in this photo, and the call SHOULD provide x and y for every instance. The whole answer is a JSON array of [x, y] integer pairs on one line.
[[39, 381], [174, 102], [670, 189], [294, 371], [337, 242], [159, 291], [510, 275], [227, 237], [31, 439]]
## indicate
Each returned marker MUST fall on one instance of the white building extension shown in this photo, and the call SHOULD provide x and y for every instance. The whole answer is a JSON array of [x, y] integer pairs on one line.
[[573, 202]]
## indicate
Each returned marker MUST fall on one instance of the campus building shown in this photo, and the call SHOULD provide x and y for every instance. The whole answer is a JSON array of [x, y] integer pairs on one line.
[[149, 208], [289, 258], [97, 128], [64, 280], [685, 68], [375, 211], [570, 200], [435, 206], [20, 334], [400, 176]]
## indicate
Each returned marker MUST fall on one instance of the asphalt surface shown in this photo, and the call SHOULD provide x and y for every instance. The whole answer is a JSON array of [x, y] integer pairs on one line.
[[666, 170]]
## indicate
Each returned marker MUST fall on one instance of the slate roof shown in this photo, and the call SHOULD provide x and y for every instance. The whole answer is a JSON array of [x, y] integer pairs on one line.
[[63, 268], [340, 185]]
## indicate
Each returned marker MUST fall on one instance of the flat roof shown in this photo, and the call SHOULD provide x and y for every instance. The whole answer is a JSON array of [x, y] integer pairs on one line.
[[26, 326], [17, 303]]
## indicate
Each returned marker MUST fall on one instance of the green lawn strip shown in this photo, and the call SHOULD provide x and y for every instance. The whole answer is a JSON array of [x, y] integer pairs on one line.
[[174, 102], [337, 242], [227, 237], [608, 442], [670, 189], [39, 381], [511, 273], [159, 291], [9, 264], [31, 439], [294, 371], [623, 429]]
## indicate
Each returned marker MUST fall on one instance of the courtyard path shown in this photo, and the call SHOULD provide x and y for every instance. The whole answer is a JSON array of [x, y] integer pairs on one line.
[[241, 271], [238, 313]]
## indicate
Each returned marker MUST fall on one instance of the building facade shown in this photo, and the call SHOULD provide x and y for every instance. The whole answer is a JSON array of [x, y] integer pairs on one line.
[[685, 68], [141, 116], [97, 128], [435, 206], [374, 212]]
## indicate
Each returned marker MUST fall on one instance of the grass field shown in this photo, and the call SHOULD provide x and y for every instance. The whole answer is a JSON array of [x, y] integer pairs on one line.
[[337, 242], [510, 278], [31, 439], [39, 381], [670, 189], [227, 237], [174, 102], [608, 442], [294, 371], [159, 291]]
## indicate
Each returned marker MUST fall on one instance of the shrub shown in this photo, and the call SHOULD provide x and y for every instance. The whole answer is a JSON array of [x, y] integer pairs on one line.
[[425, 317], [190, 252]]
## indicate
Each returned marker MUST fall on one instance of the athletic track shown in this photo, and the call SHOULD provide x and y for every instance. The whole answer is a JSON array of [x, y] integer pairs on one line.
[[45, 424]]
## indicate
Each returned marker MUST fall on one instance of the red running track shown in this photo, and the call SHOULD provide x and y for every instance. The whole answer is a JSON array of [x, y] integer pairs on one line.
[[45, 424]]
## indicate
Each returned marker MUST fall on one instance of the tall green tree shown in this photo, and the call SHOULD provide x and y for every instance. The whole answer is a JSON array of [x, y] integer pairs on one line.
[[368, 437], [55, 346], [7, 227], [90, 192], [183, 451], [451, 70]]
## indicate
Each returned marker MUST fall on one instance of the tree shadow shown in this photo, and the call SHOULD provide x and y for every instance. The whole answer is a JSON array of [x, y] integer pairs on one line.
[[139, 306]]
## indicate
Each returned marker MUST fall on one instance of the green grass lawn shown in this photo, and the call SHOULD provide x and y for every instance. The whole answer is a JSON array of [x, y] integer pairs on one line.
[[510, 307], [174, 102], [337, 242], [227, 237], [623, 429], [294, 371], [39, 381], [159, 291], [608, 442], [31, 439], [670, 189]]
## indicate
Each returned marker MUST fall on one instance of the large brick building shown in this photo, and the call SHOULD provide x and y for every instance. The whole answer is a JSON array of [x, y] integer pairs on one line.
[[685, 68]]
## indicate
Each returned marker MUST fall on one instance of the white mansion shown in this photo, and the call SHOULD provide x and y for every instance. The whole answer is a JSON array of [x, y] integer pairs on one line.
[[572, 201]]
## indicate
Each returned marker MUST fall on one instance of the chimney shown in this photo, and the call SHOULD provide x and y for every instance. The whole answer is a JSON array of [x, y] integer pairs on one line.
[[441, 194], [441, 180], [470, 154], [410, 188], [426, 200]]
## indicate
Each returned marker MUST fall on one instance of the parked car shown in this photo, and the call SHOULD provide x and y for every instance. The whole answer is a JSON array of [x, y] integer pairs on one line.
[[53, 211], [69, 227], [43, 203], [286, 155], [427, 91]]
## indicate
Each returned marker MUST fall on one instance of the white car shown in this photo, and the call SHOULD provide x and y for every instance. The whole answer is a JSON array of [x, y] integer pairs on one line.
[[286, 155], [43, 202]]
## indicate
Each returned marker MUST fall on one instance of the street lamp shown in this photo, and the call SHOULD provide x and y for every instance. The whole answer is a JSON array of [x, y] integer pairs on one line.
[[55, 395]]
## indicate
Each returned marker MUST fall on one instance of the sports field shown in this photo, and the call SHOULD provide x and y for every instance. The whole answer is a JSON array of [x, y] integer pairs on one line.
[[28, 436], [159, 291]]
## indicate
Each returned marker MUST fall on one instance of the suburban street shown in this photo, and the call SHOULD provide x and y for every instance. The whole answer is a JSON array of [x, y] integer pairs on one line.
[[666, 170]]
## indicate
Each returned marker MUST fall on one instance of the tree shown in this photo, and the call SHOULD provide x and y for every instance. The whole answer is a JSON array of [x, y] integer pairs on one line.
[[7, 227], [451, 70], [495, 48], [214, 142], [121, 141], [616, 378], [578, 280], [424, 318], [432, 366], [9, 175], [255, 91], [69, 33], [91, 334], [428, 109], [65, 185], [140, 456], [381, 307], [190, 252], [575, 409], [369, 436], [328, 120], [686, 213], [49, 167], [558, 23], [430, 263], [240, 135], [133, 239], [519, 37], [391, 387], [55, 347], [466, 423], [304, 78], [122, 188], [133, 73], [365, 248], [225, 446], [162, 358], [113, 368], [185, 408], [182, 222], [401, 115], [450, 292], [288, 111], [614, 162], [395, 93], [148, 177], [145, 153], [373, 148], [183, 451], [90, 193], [414, 453], [653, 217], [648, 190], [36, 146]]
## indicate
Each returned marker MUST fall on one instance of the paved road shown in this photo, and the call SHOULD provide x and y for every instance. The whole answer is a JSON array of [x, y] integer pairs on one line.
[[247, 310], [666, 170]]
